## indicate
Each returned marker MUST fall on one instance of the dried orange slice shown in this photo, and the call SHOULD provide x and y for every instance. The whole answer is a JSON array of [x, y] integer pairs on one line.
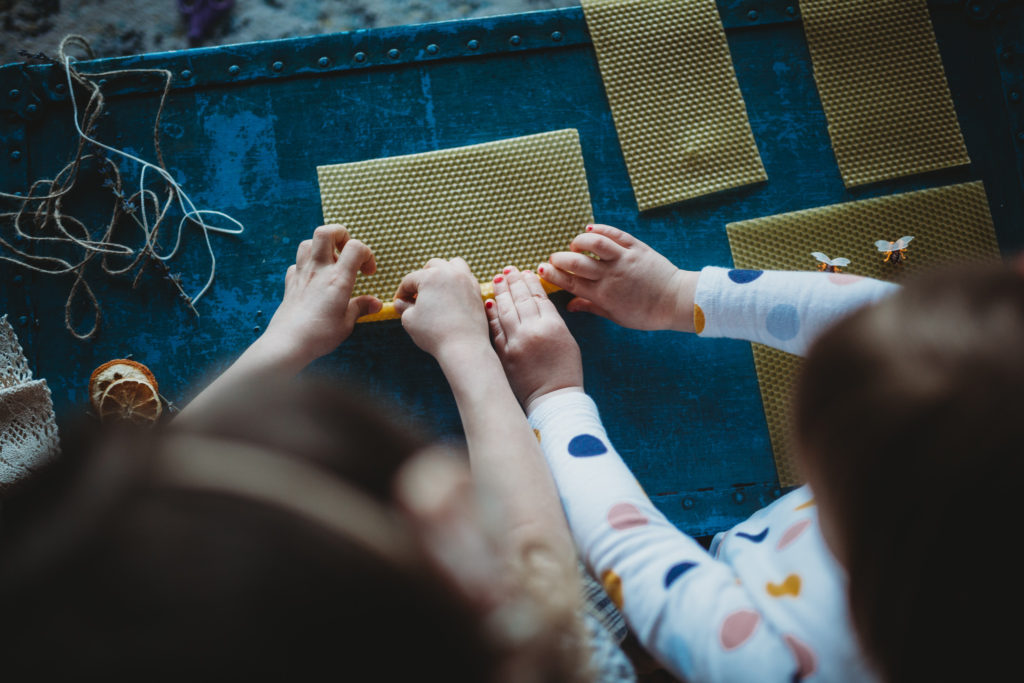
[[131, 400], [111, 371]]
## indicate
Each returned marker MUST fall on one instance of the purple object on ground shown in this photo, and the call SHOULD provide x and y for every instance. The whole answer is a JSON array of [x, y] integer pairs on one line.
[[201, 14]]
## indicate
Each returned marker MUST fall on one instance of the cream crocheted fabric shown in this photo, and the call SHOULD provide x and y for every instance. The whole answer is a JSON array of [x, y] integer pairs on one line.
[[28, 432]]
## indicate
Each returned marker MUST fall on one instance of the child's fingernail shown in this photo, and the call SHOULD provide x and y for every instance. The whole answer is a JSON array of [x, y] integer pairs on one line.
[[507, 270], [490, 304], [498, 279], [528, 271], [590, 228], [540, 269]]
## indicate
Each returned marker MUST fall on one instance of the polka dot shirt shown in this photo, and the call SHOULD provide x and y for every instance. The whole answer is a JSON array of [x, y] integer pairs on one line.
[[767, 603]]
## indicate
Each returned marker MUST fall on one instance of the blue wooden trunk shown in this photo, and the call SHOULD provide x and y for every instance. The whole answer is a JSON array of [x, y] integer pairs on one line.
[[246, 125]]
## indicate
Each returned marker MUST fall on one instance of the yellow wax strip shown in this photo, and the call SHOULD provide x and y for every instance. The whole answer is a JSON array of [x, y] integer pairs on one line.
[[388, 312]]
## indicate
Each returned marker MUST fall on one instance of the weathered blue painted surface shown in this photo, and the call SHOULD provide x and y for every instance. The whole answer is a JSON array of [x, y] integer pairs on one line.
[[685, 413]]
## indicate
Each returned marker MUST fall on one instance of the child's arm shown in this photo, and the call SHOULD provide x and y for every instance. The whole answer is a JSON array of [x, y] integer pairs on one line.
[[441, 310], [316, 314], [679, 601], [637, 287], [785, 310]]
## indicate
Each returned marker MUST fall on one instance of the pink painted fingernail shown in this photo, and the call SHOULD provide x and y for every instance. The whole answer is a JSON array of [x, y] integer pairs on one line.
[[489, 305], [590, 228], [528, 271], [508, 269], [540, 269], [498, 279]]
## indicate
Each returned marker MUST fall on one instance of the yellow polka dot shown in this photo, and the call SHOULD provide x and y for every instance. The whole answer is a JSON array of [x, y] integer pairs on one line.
[[804, 506], [536, 433], [698, 319], [612, 586], [790, 586]]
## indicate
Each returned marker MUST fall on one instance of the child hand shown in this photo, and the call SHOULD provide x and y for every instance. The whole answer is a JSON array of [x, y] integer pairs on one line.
[[534, 345], [632, 284], [317, 312], [441, 308]]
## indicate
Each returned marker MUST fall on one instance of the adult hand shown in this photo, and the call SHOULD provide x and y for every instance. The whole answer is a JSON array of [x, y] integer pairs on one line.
[[318, 312], [535, 347], [632, 284], [441, 308]]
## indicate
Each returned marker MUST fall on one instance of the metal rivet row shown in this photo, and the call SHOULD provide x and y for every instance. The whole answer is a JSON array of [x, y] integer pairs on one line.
[[324, 61]]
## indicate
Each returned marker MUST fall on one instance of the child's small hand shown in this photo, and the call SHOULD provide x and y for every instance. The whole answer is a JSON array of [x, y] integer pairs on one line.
[[534, 345], [631, 284], [441, 308], [317, 312]]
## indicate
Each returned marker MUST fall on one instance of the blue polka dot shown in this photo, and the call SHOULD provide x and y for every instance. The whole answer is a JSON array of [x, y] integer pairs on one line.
[[783, 322], [742, 277], [585, 445], [678, 570]]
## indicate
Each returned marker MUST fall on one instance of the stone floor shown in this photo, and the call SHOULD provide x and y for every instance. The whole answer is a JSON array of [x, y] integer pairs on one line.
[[121, 27]]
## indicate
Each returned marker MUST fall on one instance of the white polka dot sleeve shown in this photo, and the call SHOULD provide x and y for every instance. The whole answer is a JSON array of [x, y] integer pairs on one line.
[[687, 608], [785, 310]]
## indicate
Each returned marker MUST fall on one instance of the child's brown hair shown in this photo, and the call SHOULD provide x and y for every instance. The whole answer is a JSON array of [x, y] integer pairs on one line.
[[121, 562], [910, 425]]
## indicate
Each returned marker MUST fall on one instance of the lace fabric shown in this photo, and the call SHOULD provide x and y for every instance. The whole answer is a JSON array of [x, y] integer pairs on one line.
[[28, 431]]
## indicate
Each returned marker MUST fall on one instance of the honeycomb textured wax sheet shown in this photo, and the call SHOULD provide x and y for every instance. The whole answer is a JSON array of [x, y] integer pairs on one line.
[[948, 224], [508, 202], [675, 100], [883, 88]]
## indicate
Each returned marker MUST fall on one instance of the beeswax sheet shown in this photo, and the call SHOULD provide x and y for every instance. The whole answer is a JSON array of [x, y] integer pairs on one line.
[[678, 111], [509, 202], [948, 224], [883, 88]]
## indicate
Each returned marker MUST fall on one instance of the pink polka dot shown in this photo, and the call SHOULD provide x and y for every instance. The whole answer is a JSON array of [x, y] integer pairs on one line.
[[842, 279], [806, 662], [738, 627], [792, 533], [625, 516]]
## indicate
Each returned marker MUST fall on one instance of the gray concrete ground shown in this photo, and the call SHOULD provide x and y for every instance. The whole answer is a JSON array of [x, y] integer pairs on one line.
[[121, 27]]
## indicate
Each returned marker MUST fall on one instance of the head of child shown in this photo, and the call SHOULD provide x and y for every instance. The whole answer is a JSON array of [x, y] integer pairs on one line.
[[291, 532], [910, 425]]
